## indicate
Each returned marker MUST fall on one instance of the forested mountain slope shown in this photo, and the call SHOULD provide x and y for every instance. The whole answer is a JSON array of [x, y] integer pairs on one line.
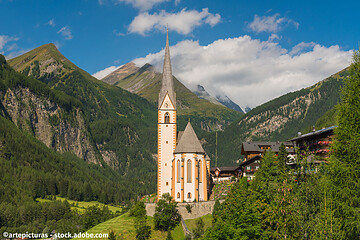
[[146, 82], [279, 119], [119, 127], [26, 120]]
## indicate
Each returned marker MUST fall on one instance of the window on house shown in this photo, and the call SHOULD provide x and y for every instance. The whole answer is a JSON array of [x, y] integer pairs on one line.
[[167, 183], [178, 195], [167, 118], [188, 173], [248, 168], [178, 171], [257, 167], [189, 195]]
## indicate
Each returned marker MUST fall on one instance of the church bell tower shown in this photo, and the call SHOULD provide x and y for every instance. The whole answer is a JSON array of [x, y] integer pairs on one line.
[[166, 126]]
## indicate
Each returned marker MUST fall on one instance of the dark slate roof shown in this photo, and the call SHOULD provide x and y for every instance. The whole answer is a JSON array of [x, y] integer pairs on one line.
[[189, 142], [249, 161], [225, 169], [311, 134], [256, 146], [167, 81]]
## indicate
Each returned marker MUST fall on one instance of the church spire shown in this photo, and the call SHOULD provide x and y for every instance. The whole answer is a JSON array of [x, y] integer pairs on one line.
[[167, 81]]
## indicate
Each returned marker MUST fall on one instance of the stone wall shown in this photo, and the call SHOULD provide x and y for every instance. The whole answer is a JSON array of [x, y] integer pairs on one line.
[[199, 209]]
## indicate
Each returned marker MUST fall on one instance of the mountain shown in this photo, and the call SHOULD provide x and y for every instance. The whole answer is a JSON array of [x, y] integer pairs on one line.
[[203, 94], [109, 126], [146, 82], [247, 109], [226, 101], [28, 167], [279, 119]]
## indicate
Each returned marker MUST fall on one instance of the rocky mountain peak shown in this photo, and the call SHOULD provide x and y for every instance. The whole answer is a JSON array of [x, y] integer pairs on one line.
[[41, 61], [120, 73]]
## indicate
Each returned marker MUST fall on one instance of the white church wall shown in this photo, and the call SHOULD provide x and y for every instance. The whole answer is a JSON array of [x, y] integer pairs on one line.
[[166, 145]]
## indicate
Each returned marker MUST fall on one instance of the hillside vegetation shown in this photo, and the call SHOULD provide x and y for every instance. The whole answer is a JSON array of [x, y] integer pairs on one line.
[[30, 170], [120, 127], [280, 119], [123, 227]]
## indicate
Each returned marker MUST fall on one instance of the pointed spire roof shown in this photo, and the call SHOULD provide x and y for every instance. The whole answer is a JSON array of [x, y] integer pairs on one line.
[[189, 142], [167, 81]]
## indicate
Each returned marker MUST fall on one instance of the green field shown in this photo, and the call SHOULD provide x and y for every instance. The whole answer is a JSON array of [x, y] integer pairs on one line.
[[123, 227], [81, 206], [191, 223]]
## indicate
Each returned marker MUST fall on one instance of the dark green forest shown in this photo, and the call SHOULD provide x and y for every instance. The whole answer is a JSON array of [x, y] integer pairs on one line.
[[30, 170], [306, 202]]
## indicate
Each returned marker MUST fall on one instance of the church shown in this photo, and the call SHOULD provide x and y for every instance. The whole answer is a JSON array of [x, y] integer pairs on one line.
[[183, 165]]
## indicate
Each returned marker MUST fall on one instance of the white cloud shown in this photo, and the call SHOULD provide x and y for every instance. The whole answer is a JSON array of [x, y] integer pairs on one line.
[[9, 48], [271, 24], [182, 22], [6, 39], [301, 47], [103, 73], [273, 37], [250, 71], [66, 32], [51, 23], [118, 34], [143, 5]]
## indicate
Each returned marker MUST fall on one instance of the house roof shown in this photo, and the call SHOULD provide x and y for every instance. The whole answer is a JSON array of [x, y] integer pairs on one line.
[[312, 134], [225, 169], [256, 146], [249, 161], [189, 142], [167, 86]]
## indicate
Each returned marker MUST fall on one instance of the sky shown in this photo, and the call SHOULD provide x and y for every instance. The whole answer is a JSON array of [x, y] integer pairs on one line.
[[250, 51]]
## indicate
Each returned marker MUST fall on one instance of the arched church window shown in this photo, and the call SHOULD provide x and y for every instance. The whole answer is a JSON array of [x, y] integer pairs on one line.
[[178, 171], [178, 195], [167, 118], [200, 172], [188, 173], [189, 194]]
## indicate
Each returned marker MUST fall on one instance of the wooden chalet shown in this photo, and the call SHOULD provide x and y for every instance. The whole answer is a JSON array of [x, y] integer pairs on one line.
[[250, 166], [253, 151], [222, 174], [317, 143]]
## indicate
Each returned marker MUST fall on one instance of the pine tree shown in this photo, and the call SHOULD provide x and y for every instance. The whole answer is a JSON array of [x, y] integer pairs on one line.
[[345, 162], [199, 228], [143, 230], [112, 236], [283, 158]]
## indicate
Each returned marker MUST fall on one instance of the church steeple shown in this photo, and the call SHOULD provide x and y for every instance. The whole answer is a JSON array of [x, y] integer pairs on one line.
[[167, 81]]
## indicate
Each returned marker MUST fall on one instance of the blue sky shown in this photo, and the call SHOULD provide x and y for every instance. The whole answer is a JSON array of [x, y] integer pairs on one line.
[[305, 40]]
